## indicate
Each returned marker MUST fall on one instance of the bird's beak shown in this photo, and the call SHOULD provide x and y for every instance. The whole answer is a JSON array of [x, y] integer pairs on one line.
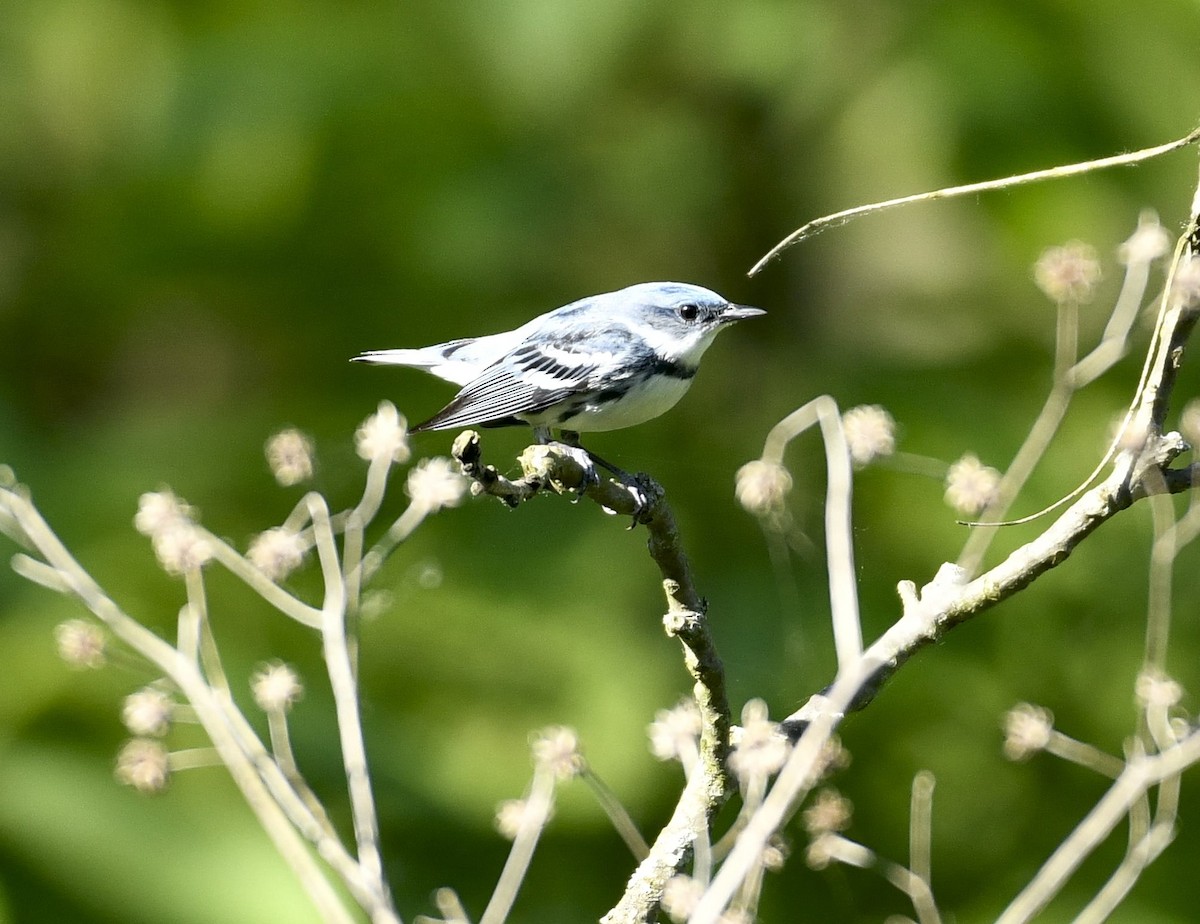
[[739, 312]]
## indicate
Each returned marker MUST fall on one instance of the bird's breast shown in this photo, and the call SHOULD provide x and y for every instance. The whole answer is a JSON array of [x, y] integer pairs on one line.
[[615, 408]]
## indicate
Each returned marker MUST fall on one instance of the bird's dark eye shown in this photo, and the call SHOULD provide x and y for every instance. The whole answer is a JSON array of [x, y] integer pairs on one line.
[[689, 312]]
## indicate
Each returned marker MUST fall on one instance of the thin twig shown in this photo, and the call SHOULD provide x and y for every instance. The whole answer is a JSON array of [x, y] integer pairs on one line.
[[187, 635], [193, 758], [206, 650], [533, 820], [1163, 552], [450, 906], [839, 536], [275, 595], [617, 813], [1036, 442], [1114, 342], [920, 826], [919, 885], [281, 748], [1139, 775], [1144, 852], [345, 695], [971, 189], [1084, 754], [352, 550], [404, 526], [39, 572]]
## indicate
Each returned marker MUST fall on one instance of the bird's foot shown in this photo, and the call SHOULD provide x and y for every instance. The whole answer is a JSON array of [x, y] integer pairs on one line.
[[646, 494], [645, 491]]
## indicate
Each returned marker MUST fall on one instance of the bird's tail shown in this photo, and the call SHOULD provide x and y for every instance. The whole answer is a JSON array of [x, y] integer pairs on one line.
[[441, 360], [418, 359], [458, 361]]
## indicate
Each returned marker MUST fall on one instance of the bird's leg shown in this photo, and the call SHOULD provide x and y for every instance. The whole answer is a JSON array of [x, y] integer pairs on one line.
[[641, 486], [571, 438]]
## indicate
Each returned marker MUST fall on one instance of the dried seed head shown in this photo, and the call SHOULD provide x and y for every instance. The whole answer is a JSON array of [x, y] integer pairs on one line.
[[147, 713], [277, 552], [557, 749], [830, 811], [1149, 242], [276, 687], [1027, 730], [436, 483], [675, 733], [383, 435], [290, 457], [80, 643], [761, 487], [971, 486], [144, 764], [870, 433], [759, 747], [1069, 273]]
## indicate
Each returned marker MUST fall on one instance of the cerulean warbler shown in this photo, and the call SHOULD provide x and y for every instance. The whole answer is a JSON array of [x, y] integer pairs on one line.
[[601, 363]]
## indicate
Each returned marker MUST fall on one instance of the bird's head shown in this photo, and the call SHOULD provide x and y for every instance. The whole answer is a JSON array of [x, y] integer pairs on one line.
[[677, 319]]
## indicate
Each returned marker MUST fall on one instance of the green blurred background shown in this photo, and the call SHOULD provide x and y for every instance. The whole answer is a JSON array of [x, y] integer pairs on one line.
[[206, 208]]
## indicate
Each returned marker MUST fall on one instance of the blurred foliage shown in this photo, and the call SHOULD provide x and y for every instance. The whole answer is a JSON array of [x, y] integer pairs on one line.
[[206, 208]]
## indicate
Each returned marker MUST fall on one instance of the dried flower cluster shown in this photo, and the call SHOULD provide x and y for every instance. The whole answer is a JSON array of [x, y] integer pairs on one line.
[[556, 749], [870, 433], [971, 486], [1185, 286], [1069, 273], [510, 815], [147, 713], [675, 733], [1149, 241], [383, 435], [178, 543], [80, 643], [762, 487], [436, 483], [276, 687], [1156, 691], [1027, 730], [144, 764], [277, 552], [759, 746], [290, 457]]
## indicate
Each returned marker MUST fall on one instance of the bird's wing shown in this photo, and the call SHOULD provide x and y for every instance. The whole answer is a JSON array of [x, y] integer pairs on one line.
[[527, 381]]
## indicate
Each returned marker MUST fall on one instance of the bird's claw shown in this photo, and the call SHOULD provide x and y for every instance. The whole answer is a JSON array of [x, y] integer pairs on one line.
[[646, 494], [591, 478]]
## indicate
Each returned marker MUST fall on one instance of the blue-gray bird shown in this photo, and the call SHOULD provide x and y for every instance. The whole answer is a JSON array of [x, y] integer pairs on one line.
[[601, 363]]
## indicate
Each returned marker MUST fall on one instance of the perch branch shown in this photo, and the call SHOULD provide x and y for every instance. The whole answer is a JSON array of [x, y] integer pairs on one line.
[[569, 470]]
